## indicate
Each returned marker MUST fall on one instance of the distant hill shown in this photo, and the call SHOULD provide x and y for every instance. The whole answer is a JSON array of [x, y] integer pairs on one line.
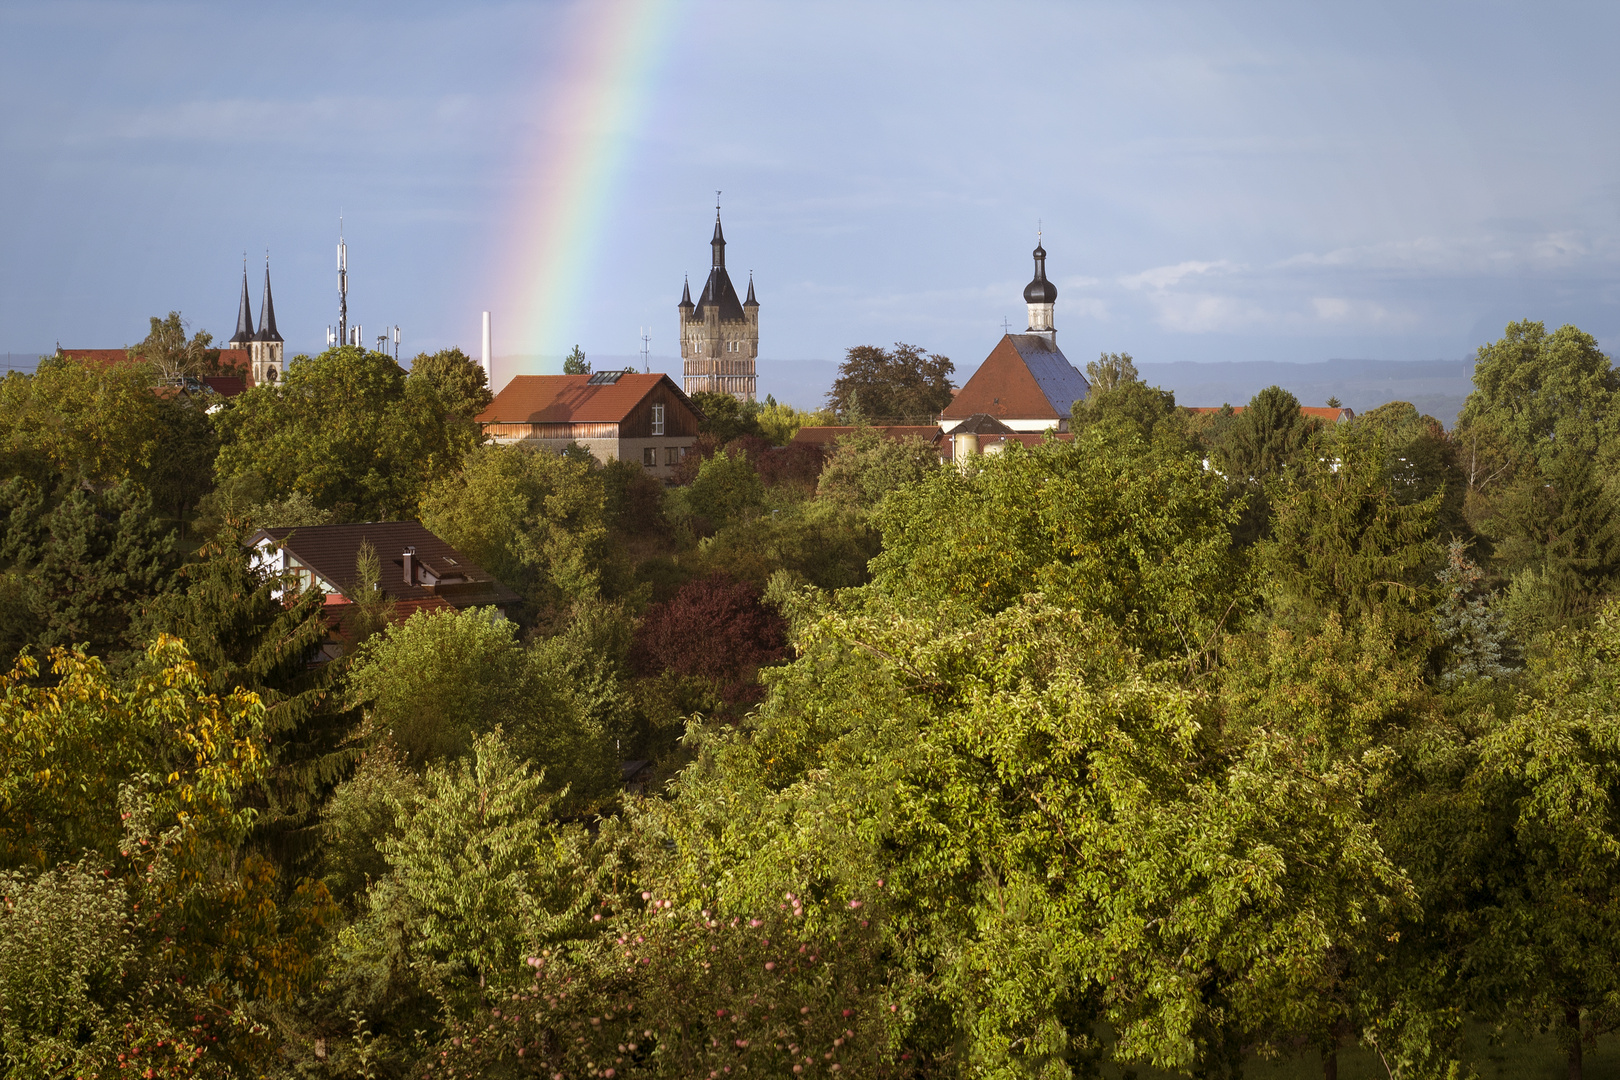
[[1437, 387]]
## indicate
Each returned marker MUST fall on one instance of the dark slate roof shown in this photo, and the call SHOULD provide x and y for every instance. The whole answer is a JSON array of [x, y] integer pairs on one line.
[[980, 424], [267, 313], [445, 573], [750, 302], [686, 294], [719, 292], [244, 318], [1058, 379]]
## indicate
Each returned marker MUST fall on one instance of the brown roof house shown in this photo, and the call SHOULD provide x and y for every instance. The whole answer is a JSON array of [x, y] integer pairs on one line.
[[420, 572], [1026, 383], [613, 414]]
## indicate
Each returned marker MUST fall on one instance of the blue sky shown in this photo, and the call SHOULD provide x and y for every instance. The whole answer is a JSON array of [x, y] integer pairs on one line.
[[1296, 182]]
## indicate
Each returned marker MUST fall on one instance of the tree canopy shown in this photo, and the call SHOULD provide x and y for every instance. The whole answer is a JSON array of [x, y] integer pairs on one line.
[[902, 385]]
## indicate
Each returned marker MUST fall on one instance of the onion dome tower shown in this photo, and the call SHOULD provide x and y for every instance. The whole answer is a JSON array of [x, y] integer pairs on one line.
[[1041, 296]]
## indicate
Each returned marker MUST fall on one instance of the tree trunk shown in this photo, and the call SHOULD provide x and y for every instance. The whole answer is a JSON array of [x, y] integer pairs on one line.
[[1330, 1063], [1572, 1020]]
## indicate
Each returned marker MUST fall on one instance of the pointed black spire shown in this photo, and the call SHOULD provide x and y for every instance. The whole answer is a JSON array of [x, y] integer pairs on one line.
[[267, 310], [686, 293], [244, 317], [750, 302], [718, 243]]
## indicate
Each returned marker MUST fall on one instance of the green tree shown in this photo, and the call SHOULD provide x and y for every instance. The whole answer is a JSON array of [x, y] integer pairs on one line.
[[1470, 623], [1344, 544], [725, 417], [1019, 805], [347, 429], [1543, 921], [253, 631], [1267, 437], [779, 422], [1110, 371], [1134, 408], [460, 381], [1542, 395], [171, 355], [725, 489], [120, 818], [907, 385], [865, 466], [89, 564], [534, 520], [1105, 526], [435, 682], [575, 363], [98, 426]]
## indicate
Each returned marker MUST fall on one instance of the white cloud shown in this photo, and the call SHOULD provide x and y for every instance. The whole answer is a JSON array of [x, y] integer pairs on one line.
[[1165, 277], [1208, 313]]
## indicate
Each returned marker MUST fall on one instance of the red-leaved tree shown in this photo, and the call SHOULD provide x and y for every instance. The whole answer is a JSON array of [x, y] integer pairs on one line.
[[715, 628]]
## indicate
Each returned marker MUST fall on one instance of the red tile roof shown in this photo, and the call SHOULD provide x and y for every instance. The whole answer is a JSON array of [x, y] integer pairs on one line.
[[237, 365], [569, 399], [1320, 412], [826, 435], [1025, 377]]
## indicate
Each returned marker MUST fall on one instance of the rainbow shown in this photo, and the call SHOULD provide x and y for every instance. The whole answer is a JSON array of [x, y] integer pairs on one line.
[[596, 104]]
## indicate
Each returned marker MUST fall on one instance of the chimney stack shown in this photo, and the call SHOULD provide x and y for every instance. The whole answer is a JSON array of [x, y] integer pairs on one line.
[[489, 375], [410, 566]]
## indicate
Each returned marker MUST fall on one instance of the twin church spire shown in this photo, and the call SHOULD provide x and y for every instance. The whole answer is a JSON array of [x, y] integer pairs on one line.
[[265, 345]]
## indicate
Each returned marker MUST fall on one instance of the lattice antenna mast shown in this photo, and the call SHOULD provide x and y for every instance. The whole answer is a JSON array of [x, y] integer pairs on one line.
[[343, 285], [646, 365]]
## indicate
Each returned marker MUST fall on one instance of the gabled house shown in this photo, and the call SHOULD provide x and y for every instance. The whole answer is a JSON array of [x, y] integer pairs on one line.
[[1026, 383], [419, 571], [613, 414]]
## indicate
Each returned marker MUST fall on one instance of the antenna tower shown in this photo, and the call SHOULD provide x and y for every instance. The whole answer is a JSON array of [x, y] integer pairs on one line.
[[343, 285], [646, 368]]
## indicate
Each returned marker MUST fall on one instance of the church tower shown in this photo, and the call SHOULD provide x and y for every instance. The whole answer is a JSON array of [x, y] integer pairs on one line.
[[1040, 296], [720, 334], [243, 338], [266, 345]]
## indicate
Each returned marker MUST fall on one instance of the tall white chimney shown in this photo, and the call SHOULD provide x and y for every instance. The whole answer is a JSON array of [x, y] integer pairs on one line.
[[489, 375]]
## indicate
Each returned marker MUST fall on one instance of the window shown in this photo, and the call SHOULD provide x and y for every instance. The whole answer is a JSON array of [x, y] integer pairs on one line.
[[658, 418], [649, 457], [672, 455]]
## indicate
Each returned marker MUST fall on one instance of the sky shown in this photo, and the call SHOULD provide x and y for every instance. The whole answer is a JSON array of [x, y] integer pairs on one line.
[[1213, 182]]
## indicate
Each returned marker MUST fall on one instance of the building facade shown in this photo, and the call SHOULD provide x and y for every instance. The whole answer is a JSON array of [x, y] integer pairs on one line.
[[613, 414], [720, 334]]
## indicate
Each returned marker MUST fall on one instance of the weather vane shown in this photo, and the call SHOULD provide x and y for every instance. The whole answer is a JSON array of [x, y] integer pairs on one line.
[[716, 200]]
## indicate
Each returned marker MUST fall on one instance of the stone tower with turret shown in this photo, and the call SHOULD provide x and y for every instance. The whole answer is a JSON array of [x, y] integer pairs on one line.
[[720, 334]]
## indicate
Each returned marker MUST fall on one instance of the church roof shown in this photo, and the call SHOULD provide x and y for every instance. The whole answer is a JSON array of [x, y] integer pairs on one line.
[[244, 317], [1025, 377], [267, 313]]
